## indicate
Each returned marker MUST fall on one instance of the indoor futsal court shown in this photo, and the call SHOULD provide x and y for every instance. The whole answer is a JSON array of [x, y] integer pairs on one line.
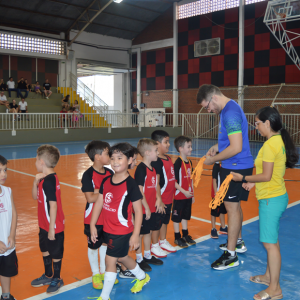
[[188, 267]]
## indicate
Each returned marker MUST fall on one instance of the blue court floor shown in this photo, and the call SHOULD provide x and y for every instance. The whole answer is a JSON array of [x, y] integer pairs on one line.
[[187, 274]]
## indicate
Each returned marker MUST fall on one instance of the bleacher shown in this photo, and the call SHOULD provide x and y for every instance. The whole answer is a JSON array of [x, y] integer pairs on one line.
[[37, 103]]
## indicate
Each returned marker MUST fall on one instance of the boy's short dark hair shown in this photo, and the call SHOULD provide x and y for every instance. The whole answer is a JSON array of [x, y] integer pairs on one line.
[[145, 145], [50, 154], [96, 147], [180, 141], [135, 150], [159, 135], [3, 160], [124, 148], [206, 91]]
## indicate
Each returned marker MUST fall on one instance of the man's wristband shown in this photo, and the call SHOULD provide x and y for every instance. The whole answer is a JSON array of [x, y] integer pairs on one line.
[[244, 179]]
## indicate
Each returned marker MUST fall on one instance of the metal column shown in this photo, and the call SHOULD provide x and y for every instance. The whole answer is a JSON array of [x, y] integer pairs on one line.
[[175, 65], [138, 79], [241, 52]]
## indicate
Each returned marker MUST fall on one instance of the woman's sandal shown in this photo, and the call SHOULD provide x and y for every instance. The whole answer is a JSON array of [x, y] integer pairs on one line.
[[263, 295], [256, 279]]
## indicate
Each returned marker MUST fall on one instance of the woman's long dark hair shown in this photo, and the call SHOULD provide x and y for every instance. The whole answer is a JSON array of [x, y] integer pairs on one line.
[[272, 114]]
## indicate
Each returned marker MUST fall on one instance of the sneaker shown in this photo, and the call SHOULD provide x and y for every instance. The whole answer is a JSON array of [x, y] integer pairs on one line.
[[166, 246], [144, 266], [97, 282], [223, 230], [226, 261], [181, 243], [153, 261], [43, 280], [139, 284], [55, 285], [118, 268], [239, 248], [11, 297], [189, 240], [126, 274], [102, 278], [158, 252], [214, 234]]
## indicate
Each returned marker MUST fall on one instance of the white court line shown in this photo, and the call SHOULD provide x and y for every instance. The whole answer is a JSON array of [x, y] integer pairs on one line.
[[62, 183], [203, 220]]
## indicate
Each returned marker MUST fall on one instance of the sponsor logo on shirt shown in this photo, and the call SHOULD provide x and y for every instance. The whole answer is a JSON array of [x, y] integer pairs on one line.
[[58, 187], [153, 180], [172, 171], [108, 197], [107, 200]]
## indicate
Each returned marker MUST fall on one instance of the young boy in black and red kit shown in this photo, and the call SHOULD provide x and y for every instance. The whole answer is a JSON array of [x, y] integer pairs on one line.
[[92, 178], [117, 195], [153, 209], [184, 194], [46, 189], [165, 169]]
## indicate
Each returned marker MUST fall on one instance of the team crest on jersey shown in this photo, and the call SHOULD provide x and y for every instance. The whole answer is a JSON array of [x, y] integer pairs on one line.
[[108, 197], [1, 205], [58, 187], [189, 172], [153, 180], [172, 171]]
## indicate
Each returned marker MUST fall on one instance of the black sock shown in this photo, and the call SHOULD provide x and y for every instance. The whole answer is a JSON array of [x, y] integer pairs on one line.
[[57, 268], [185, 232], [177, 235], [48, 265]]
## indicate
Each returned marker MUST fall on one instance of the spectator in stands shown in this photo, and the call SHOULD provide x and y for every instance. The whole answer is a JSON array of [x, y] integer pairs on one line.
[[136, 111], [159, 119], [23, 107], [11, 87], [28, 86], [13, 108], [47, 89], [63, 114], [3, 86], [77, 109], [22, 87], [3, 99], [37, 88], [65, 102]]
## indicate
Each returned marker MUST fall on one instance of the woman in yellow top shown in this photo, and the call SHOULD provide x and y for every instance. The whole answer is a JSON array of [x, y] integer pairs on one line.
[[276, 154]]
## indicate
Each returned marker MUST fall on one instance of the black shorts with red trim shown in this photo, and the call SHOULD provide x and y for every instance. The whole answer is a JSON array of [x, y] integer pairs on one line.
[[219, 210], [9, 265], [182, 210], [55, 247], [167, 216], [153, 224], [87, 232], [236, 192], [117, 245]]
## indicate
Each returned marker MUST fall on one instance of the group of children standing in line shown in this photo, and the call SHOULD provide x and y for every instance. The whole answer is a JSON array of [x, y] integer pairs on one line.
[[121, 212]]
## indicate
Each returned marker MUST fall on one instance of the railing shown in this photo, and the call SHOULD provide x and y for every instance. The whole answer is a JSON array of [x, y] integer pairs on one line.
[[88, 95], [203, 126]]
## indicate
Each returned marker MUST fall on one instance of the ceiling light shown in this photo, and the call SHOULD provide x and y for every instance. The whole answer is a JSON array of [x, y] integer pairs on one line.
[[118, 1]]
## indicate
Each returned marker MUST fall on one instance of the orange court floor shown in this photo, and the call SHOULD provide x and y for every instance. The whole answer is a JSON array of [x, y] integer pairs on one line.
[[75, 266]]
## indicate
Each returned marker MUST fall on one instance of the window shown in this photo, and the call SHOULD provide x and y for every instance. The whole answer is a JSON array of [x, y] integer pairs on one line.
[[31, 44], [207, 6]]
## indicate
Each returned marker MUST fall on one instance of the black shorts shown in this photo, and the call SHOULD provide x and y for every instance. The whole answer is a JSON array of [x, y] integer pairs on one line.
[[167, 216], [23, 111], [9, 265], [182, 210], [153, 224], [117, 245], [56, 247], [87, 232], [236, 192], [219, 210]]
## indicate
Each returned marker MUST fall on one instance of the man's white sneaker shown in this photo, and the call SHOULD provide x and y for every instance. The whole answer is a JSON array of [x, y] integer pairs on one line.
[[158, 252], [166, 246]]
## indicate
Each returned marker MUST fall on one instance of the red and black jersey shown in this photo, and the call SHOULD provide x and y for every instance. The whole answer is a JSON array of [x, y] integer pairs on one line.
[[148, 180], [49, 190], [165, 169], [183, 177], [91, 181], [117, 204]]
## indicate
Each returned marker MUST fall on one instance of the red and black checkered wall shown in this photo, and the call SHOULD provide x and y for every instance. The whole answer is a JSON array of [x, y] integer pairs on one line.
[[265, 61], [21, 66]]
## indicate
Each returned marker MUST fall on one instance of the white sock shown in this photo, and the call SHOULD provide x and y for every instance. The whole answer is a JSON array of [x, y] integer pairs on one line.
[[155, 245], [147, 254], [139, 257], [102, 253], [93, 259], [109, 281], [232, 253], [138, 273]]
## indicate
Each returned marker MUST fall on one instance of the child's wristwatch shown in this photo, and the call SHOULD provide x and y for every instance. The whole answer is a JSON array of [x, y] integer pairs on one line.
[[244, 179]]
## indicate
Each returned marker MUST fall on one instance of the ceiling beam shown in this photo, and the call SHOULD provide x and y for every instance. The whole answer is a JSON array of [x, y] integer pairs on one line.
[[139, 7], [113, 27], [120, 16], [90, 21]]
